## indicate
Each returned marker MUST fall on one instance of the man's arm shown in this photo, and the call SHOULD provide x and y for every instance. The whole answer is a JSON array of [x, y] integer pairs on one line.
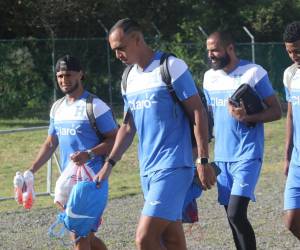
[[103, 148], [123, 140], [289, 144], [197, 115], [271, 113], [46, 151]]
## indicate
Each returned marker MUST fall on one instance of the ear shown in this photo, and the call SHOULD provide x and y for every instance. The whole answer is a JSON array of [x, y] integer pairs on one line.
[[138, 38], [230, 48], [81, 75]]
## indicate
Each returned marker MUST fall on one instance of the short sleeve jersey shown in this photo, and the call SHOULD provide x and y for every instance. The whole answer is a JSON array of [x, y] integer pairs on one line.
[[234, 141], [162, 126], [291, 80], [72, 127]]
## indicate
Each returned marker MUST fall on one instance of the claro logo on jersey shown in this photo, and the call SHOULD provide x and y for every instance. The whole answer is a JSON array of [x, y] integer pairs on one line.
[[295, 100], [216, 101], [67, 131], [142, 104]]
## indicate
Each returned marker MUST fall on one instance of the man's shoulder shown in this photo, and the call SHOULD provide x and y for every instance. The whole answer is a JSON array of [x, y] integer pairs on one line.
[[252, 70], [291, 69], [250, 65], [96, 99], [210, 72]]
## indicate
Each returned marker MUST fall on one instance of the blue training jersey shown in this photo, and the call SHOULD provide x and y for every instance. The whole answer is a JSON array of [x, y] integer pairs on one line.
[[291, 80], [162, 126], [71, 125], [234, 141]]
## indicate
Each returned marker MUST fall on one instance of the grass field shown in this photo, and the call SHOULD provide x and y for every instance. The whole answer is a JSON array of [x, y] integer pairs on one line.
[[212, 232], [18, 151]]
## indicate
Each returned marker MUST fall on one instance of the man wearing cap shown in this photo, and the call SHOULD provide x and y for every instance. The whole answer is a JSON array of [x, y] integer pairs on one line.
[[71, 130]]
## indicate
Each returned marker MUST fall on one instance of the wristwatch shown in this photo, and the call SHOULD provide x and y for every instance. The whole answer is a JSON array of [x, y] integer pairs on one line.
[[201, 160], [91, 154], [111, 161]]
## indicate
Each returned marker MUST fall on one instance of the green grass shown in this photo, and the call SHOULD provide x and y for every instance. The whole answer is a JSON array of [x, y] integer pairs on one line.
[[21, 123], [18, 150]]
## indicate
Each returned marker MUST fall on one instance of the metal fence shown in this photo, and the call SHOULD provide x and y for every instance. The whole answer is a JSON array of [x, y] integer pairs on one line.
[[27, 79]]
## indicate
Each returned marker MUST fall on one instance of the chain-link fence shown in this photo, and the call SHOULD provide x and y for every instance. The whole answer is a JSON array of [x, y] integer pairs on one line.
[[27, 80]]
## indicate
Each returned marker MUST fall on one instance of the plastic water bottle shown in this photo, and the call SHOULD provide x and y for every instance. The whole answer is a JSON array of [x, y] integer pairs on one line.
[[18, 185], [28, 195]]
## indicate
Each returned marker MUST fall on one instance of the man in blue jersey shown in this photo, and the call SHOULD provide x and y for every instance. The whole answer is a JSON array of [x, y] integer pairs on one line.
[[71, 130], [291, 80], [238, 148], [165, 151]]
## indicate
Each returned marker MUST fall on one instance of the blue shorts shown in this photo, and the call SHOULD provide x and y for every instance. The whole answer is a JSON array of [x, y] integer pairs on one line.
[[165, 191], [292, 188], [237, 178]]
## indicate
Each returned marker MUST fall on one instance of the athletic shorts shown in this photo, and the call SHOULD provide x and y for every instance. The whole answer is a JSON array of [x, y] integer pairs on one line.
[[237, 178], [165, 191], [292, 188]]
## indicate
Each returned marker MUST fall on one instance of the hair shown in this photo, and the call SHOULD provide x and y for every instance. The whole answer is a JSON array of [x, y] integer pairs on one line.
[[292, 32], [225, 37], [127, 25]]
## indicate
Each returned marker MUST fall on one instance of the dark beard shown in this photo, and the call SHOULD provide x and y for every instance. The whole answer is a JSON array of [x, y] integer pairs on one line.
[[221, 62]]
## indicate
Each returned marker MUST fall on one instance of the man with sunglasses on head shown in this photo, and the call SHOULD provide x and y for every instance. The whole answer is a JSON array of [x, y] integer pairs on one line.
[[165, 148]]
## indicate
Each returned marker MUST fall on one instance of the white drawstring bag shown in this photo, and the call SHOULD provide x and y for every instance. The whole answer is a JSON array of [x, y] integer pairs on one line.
[[68, 178]]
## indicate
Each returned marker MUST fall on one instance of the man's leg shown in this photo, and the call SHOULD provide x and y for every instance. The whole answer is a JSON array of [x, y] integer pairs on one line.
[[82, 244], [159, 234], [159, 226], [292, 200], [292, 221], [96, 243], [245, 175], [235, 238], [173, 237], [243, 233], [89, 243]]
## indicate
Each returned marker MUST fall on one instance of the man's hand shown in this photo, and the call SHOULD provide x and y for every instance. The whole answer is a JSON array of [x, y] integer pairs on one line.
[[79, 158], [238, 113], [206, 175], [286, 167], [103, 174]]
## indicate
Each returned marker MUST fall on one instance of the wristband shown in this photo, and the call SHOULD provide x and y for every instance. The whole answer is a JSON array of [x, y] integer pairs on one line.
[[110, 161]]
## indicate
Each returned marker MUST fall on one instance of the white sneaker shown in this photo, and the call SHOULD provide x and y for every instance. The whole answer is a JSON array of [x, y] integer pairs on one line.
[[29, 194], [18, 186]]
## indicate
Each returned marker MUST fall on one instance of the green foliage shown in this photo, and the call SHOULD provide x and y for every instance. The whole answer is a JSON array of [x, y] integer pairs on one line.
[[20, 85], [26, 74]]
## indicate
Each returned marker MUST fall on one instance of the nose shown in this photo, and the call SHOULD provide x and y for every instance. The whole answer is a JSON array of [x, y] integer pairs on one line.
[[209, 54]]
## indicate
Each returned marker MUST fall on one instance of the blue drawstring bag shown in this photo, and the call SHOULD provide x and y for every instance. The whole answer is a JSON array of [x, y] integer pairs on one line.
[[83, 210]]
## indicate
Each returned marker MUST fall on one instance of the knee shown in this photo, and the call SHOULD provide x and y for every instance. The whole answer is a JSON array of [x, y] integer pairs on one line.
[[142, 239], [237, 219], [292, 224]]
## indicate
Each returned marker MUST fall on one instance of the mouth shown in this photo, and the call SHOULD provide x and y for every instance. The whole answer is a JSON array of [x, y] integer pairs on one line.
[[213, 61], [66, 85]]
